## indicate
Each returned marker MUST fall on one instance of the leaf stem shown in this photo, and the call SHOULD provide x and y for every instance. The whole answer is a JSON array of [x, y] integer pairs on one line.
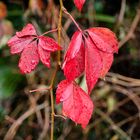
[[40, 89], [57, 66], [59, 31], [52, 102], [52, 114], [50, 88], [50, 31], [67, 13]]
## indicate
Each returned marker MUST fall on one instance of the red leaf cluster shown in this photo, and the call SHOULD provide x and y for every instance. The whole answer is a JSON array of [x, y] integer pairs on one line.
[[32, 48], [90, 51]]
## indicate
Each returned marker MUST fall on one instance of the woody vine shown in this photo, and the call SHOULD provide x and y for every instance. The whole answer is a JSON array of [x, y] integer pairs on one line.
[[89, 53]]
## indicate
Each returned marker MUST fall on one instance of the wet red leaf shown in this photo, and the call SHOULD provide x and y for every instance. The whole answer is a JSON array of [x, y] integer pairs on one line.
[[18, 44], [44, 56], [104, 39], [29, 58], [74, 46], [77, 105], [28, 30], [25, 42], [48, 44], [107, 59], [75, 66], [74, 59], [90, 51], [93, 64], [79, 4]]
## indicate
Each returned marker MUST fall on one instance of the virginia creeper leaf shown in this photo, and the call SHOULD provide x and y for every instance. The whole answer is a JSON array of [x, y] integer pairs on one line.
[[29, 58], [79, 4], [48, 44], [104, 39], [28, 30], [107, 59], [18, 44], [44, 56], [77, 105], [95, 57], [25, 42], [75, 66], [63, 91], [93, 64], [74, 46]]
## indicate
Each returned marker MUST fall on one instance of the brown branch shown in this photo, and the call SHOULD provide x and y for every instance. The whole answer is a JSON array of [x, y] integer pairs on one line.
[[122, 80], [46, 124], [13, 129], [121, 14], [60, 116], [130, 94], [130, 34], [113, 125], [131, 118]]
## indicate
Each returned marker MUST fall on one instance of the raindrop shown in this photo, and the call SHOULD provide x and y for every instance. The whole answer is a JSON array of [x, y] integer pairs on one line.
[[33, 62]]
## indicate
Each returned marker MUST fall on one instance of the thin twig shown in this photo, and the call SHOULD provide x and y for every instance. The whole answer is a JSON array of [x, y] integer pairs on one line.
[[122, 80], [52, 114], [40, 89], [66, 130], [121, 14], [131, 118], [46, 124], [130, 94], [60, 116], [132, 29], [67, 13], [13, 129], [114, 126], [51, 31]]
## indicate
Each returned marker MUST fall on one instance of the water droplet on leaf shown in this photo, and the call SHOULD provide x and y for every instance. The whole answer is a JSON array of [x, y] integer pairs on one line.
[[33, 62]]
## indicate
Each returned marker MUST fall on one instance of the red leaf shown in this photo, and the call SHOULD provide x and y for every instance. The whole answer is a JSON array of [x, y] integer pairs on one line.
[[18, 44], [29, 58], [48, 44], [28, 30], [25, 42], [62, 93], [107, 59], [79, 4], [44, 56], [74, 46], [77, 105], [93, 64], [75, 66], [104, 39]]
